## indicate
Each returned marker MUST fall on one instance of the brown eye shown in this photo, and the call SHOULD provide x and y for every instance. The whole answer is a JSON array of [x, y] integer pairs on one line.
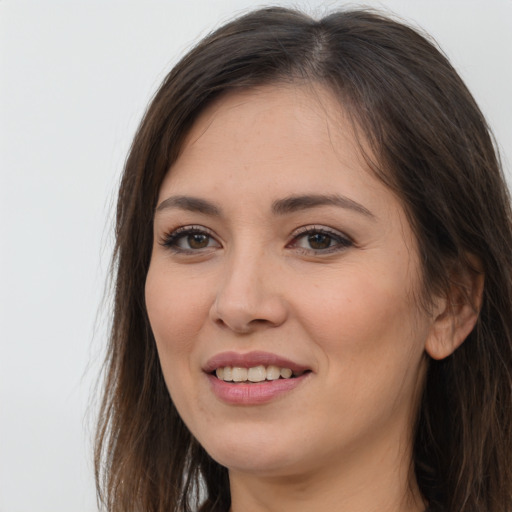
[[198, 240], [319, 241], [189, 239]]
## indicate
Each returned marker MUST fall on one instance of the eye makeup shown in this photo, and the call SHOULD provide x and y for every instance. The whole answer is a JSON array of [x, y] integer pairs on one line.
[[316, 240]]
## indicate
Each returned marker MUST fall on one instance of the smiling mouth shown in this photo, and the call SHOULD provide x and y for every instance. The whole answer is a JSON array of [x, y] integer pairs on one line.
[[255, 374]]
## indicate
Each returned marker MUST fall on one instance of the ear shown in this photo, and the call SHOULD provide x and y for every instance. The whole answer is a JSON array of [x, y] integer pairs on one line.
[[455, 314]]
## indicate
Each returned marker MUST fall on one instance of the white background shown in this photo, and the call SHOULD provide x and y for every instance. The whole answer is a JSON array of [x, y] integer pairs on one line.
[[75, 77]]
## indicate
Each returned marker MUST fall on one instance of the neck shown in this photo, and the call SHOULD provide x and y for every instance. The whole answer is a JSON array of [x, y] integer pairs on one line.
[[381, 481]]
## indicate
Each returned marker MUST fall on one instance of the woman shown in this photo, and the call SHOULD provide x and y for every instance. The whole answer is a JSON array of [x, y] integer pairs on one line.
[[313, 287]]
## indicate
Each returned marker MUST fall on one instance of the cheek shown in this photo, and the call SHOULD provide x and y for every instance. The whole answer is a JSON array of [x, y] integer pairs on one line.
[[176, 309], [356, 304], [373, 351], [366, 323]]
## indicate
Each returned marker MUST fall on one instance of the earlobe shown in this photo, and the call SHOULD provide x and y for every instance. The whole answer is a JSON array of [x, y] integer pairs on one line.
[[456, 314]]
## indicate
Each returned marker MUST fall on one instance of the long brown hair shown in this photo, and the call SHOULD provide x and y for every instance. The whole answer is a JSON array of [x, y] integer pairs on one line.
[[433, 147]]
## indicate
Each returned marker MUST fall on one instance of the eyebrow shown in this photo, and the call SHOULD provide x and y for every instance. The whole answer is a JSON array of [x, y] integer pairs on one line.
[[191, 204], [283, 206], [296, 203]]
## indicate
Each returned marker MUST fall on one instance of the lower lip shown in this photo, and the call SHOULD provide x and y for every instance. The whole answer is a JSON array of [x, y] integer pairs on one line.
[[253, 393]]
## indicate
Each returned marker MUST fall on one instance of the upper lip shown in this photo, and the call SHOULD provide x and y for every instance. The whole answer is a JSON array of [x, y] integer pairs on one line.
[[251, 359]]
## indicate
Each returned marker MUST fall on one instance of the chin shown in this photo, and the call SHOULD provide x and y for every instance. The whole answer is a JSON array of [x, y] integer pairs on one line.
[[254, 452], [257, 462]]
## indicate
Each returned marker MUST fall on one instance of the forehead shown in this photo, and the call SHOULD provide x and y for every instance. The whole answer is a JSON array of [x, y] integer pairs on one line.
[[282, 134], [305, 110]]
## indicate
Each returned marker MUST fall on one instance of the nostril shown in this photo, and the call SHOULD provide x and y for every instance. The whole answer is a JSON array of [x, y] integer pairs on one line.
[[245, 312]]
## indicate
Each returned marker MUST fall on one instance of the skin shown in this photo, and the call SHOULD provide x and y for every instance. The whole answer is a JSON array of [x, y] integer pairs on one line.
[[341, 440]]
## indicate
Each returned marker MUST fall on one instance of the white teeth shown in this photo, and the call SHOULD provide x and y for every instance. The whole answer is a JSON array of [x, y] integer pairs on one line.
[[257, 374], [239, 374], [273, 373], [254, 374], [227, 373], [286, 373]]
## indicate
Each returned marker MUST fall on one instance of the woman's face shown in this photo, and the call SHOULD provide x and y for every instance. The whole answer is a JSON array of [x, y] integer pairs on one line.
[[275, 249]]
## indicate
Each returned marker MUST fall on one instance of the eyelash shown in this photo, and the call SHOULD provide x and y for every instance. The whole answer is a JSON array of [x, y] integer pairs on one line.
[[340, 242], [172, 239]]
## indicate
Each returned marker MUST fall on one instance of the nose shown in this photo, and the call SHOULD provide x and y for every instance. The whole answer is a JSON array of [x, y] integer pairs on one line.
[[249, 297]]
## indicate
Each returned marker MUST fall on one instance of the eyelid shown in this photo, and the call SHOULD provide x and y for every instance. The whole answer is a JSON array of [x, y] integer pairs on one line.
[[315, 228], [344, 241], [169, 237]]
